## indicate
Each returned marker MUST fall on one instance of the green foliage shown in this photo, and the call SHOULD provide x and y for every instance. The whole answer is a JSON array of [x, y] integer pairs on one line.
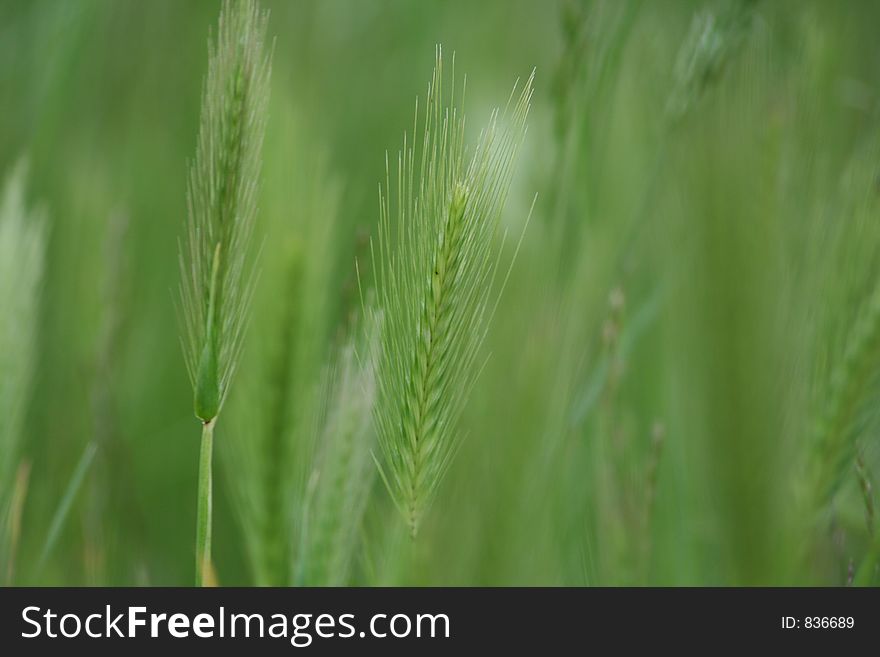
[[678, 385], [22, 253]]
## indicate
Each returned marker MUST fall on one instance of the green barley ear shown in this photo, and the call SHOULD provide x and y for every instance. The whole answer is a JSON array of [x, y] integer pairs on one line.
[[836, 433], [216, 285], [343, 471], [222, 203], [848, 372], [435, 262], [22, 255], [207, 395], [713, 39]]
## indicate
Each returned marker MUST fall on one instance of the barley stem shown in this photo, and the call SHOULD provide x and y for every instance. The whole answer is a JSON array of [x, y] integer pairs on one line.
[[205, 498]]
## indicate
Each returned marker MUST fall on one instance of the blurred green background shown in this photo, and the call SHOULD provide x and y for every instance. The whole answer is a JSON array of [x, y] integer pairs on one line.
[[685, 347]]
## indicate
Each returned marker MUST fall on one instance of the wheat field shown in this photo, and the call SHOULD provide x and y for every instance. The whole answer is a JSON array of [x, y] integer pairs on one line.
[[326, 293]]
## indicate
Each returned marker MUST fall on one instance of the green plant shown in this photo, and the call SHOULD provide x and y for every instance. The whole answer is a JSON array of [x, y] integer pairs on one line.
[[850, 385], [435, 262], [715, 161], [595, 35], [712, 40], [222, 197], [270, 450], [343, 470], [845, 365], [22, 252]]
